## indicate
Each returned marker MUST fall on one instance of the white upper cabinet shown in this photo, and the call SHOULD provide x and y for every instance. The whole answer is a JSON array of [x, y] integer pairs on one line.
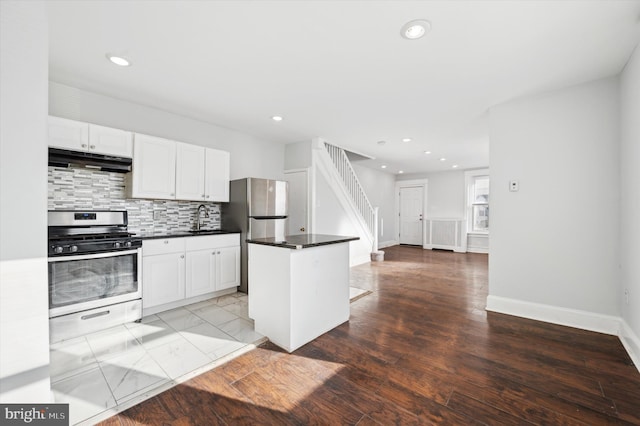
[[79, 136], [216, 185], [109, 141], [154, 168], [190, 172], [68, 134], [202, 174]]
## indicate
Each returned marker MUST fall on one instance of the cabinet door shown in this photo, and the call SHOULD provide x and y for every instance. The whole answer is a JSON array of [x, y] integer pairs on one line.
[[228, 259], [68, 134], [201, 272], [154, 168], [217, 175], [105, 140], [162, 279], [190, 172]]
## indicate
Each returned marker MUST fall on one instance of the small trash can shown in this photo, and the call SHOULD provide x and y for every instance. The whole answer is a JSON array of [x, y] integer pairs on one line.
[[377, 256]]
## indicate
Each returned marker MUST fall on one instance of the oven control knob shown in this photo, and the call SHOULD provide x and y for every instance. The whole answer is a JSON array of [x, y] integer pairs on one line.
[[127, 244], [73, 249], [116, 244], [57, 249]]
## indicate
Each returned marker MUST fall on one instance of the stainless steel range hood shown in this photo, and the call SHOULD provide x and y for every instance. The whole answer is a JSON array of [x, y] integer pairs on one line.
[[65, 158]]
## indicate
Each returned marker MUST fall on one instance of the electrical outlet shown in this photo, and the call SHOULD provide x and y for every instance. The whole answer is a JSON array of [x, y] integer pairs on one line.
[[157, 215], [514, 185]]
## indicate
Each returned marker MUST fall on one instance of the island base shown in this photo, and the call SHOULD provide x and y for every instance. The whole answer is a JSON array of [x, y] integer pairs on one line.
[[296, 296]]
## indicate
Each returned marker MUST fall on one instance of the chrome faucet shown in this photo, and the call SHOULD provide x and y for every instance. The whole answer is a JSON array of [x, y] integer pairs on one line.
[[199, 215]]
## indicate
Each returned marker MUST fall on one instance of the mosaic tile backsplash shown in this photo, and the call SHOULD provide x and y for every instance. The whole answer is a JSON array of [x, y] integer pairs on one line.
[[80, 188]]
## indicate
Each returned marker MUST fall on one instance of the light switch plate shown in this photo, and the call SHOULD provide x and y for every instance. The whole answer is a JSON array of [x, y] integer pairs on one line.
[[514, 185]]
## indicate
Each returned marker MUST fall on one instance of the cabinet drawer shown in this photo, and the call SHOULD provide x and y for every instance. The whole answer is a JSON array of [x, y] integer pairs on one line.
[[162, 246], [212, 241]]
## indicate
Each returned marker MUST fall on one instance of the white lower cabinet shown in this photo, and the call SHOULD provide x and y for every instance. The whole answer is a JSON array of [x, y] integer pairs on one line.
[[163, 271], [163, 279], [201, 272], [228, 267], [176, 270]]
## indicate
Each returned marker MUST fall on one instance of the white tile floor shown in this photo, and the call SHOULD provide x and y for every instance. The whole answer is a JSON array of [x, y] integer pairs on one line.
[[105, 372]]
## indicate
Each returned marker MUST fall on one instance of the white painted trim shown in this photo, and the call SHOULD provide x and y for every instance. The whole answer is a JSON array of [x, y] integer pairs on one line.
[[407, 184], [183, 302], [482, 250], [606, 324], [389, 243], [469, 176], [584, 320], [631, 342]]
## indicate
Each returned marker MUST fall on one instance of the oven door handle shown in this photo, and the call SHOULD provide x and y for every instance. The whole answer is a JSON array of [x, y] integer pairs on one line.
[[93, 256]]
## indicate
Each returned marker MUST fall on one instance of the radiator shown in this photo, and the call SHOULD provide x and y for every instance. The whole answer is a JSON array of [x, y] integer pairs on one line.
[[444, 234]]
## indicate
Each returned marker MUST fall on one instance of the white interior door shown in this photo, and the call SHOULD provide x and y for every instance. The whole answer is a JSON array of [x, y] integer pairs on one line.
[[298, 202], [411, 215]]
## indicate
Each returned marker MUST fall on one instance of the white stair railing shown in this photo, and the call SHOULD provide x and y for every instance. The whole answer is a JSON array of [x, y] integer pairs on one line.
[[355, 190]]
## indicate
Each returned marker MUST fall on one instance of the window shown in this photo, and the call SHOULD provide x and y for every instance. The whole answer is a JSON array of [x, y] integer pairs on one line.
[[480, 204]]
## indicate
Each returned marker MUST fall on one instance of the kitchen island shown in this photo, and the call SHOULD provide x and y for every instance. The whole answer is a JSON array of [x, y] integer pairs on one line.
[[298, 287]]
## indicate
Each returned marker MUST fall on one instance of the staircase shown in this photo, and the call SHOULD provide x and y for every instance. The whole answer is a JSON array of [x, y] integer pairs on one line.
[[336, 159]]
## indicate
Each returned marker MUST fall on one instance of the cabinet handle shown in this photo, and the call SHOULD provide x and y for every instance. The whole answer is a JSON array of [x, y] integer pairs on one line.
[[213, 253], [84, 145], [203, 196], [172, 194], [182, 256], [166, 241], [92, 146], [207, 196], [218, 252]]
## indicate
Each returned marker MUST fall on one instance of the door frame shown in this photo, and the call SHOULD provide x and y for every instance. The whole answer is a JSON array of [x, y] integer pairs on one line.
[[412, 184]]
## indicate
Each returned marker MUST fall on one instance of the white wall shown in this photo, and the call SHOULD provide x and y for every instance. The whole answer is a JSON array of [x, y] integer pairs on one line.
[[445, 193], [630, 196], [297, 155], [380, 189], [250, 156], [24, 316], [556, 241]]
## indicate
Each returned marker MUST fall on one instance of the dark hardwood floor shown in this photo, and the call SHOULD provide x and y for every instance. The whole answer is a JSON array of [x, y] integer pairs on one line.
[[420, 349]]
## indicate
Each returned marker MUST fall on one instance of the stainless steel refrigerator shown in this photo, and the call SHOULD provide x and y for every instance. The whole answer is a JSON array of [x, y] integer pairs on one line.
[[257, 208]]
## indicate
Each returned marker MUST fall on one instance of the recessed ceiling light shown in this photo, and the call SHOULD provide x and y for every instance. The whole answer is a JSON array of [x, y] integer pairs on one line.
[[401, 172], [455, 166], [383, 166], [276, 118], [415, 29], [118, 60], [427, 152], [443, 159], [406, 140]]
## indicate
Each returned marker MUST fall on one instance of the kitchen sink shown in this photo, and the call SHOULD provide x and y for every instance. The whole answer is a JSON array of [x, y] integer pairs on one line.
[[207, 232]]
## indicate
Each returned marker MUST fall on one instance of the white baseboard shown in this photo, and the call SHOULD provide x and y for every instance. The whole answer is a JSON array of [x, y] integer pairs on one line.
[[631, 342], [383, 244], [606, 324], [584, 320], [484, 250]]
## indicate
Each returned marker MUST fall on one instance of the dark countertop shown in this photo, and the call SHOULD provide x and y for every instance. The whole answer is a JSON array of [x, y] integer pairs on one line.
[[303, 241], [180, 234]]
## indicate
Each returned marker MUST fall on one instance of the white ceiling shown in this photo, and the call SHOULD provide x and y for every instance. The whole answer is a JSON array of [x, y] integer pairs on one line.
[[339, 69]]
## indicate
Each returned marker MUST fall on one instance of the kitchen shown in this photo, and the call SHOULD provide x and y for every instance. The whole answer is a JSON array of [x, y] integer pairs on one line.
[[121, 249], [32, 91]]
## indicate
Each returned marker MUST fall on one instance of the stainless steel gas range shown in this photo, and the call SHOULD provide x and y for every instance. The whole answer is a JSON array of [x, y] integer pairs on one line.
[[95, 269]]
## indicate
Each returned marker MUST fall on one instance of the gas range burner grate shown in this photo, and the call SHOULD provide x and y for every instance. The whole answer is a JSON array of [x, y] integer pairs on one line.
[[89, 237]]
